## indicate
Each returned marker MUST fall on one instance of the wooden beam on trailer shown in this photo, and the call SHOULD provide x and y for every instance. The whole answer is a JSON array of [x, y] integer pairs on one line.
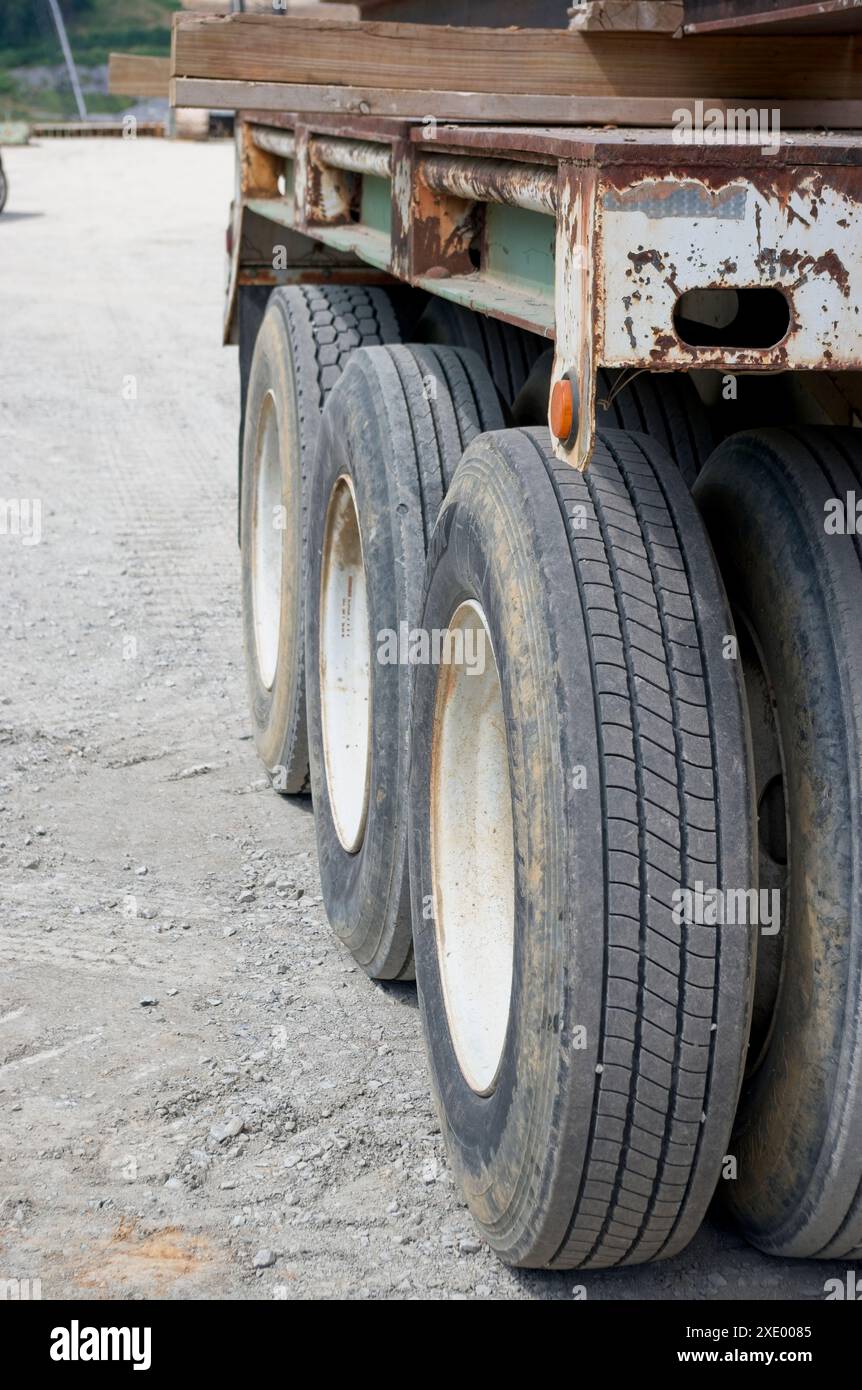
[[484, 107], [133, 75], [527, 62], [416, 105]]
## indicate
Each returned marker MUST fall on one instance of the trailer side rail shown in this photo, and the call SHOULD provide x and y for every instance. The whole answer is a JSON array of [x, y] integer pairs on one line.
[[627, 249]]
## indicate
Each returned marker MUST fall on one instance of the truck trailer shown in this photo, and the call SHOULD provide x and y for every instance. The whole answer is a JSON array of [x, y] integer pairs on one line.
[[550, 515]]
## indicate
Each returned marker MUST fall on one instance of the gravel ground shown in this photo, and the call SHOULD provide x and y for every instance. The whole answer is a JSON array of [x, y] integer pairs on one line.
[[202, 1096]]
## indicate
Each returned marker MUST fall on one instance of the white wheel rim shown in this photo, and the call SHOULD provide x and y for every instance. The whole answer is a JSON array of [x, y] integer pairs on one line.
[[345, 667], [267, 543], [473, 850]]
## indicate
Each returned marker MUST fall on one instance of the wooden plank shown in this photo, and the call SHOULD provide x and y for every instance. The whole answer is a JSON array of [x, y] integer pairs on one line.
[[772, 17], [257, 48], [133, 75], [350, 102], [629, 16], [447, 106]]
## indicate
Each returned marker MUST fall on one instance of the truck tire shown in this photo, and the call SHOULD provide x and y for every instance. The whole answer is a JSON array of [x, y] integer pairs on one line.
[[797, 592], [508, 352], [305, 340], [392, 433], [665, 406], [586, 1050]]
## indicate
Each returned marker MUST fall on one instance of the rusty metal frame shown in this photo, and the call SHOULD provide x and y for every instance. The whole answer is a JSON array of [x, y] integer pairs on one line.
[[636, 219]]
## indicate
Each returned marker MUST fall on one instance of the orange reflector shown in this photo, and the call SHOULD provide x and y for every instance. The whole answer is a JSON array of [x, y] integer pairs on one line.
[[562, 409]]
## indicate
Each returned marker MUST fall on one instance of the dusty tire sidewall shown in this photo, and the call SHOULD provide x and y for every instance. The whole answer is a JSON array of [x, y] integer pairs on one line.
[[357, 431], [778, 577], [476, 554], [274, 709]]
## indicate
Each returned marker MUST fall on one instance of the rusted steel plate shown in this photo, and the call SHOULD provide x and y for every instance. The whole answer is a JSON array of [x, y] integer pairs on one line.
[[799, 232], [627, 145], [496, 300], [641, 221], [578, 304], [328, 123], [769, 17]]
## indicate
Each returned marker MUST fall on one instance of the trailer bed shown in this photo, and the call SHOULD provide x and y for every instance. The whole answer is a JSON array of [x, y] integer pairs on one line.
[[620, 245]]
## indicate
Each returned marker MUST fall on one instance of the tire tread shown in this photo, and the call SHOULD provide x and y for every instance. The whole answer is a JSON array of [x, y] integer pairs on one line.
[[636, 621]]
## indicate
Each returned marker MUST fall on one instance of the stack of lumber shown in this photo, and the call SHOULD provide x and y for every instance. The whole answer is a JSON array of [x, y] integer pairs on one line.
[[547, 76], [135, 75]]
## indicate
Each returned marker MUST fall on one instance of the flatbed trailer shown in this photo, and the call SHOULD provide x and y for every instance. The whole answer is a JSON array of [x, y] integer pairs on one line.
[[550, 516], [595, 239]]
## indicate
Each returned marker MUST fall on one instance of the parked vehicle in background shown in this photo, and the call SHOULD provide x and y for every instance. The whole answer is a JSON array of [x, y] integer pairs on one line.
[[11, 133]]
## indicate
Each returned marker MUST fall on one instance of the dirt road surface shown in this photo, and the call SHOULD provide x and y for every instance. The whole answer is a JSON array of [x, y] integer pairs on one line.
[[201, 1096]]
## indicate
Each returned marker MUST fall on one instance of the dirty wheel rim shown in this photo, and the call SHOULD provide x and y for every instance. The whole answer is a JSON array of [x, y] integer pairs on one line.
[[267, 538], [345, 667], [473, 849]]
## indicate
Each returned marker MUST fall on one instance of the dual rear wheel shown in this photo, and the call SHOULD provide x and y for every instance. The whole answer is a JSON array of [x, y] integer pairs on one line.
[[586, 1046], [538, 735], [780, 507], [391, 438]]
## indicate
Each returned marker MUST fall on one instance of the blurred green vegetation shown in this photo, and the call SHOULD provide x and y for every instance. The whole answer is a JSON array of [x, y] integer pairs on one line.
[[20, 20], [96, 28]]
